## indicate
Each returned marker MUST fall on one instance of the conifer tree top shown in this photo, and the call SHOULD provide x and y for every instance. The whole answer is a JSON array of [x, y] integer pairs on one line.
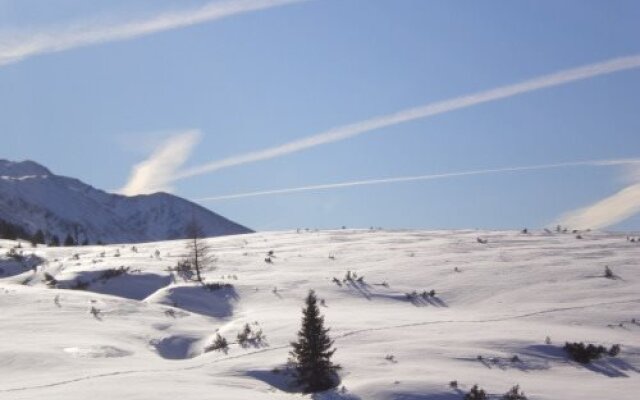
[[312, 353]]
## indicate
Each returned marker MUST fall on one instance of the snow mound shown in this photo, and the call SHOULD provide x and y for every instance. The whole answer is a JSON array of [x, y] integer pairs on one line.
[[217, 303], [136, 286], [177, 347], [18, 264]]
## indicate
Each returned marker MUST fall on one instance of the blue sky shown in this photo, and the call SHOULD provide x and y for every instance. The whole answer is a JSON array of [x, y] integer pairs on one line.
[[263, 78]]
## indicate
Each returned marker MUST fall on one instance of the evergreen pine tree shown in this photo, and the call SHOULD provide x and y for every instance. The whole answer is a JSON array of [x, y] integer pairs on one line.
[[12, 232], [55, 241], [68, 241], [38, 238], [312, 352]]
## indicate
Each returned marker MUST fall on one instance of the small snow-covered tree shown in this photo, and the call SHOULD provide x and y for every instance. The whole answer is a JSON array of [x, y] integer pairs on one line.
[[514, 394], [244, 335], [608, 273], [614, 350], [475, 394], [312, 353], [219, 343]]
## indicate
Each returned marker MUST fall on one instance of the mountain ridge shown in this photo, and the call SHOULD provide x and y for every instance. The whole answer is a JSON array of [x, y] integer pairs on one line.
[[33, 197]]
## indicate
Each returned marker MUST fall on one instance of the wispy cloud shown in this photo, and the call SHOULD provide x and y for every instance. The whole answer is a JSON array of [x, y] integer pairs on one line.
[[610, 210], [20, 45], [423, 178], [428, 110], [155, 173]]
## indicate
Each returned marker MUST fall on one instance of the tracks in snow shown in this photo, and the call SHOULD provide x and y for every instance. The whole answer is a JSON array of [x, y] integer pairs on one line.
[[481, 321], [340, 336]]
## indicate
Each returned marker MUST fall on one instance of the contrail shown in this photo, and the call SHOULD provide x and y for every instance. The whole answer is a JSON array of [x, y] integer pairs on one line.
[[152, 174], [422, 178], [610, 210], [606, 212], [428, 110], [19, 46]]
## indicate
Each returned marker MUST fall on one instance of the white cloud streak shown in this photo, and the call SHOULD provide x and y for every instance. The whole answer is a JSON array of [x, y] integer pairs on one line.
[[155, 173], [18, 46], [608, 211], [428, 110], [423, 178]]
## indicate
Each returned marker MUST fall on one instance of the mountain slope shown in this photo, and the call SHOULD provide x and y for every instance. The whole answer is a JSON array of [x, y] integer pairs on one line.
[[495, 300], [33, 197]]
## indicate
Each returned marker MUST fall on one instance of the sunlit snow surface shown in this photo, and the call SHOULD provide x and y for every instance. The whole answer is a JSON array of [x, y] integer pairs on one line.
[[495, 300]]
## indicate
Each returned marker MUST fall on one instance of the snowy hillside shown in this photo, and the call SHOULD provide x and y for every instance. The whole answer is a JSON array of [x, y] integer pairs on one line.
[[33, 197], [495, 300]]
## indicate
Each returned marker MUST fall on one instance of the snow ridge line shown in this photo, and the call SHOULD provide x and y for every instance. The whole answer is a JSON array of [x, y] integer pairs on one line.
[[498, 319], [340, 336]]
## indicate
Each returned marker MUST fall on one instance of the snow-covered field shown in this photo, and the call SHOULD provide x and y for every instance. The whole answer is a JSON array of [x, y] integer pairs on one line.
[[496, 300]]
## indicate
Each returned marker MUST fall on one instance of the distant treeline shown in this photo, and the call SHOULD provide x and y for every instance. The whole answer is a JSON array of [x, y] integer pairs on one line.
[[12, 231]]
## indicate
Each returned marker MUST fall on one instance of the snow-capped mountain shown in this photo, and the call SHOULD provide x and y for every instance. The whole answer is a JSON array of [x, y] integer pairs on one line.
[[34, 198]]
